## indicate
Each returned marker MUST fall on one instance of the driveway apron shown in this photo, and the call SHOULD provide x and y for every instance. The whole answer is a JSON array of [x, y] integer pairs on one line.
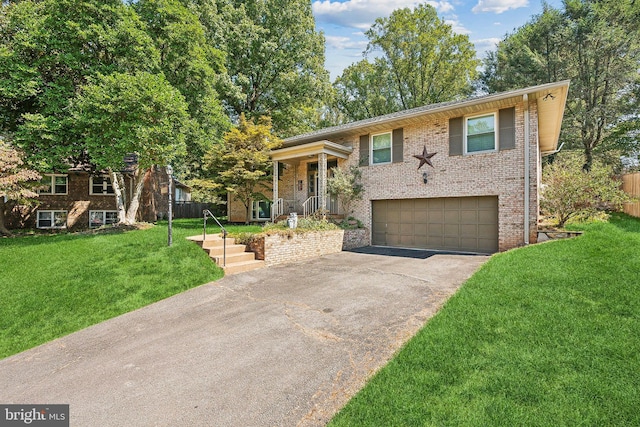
[[282, 346]]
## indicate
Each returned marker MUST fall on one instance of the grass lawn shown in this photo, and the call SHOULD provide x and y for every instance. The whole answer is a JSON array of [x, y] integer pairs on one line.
[[52, 285], [547, 335]]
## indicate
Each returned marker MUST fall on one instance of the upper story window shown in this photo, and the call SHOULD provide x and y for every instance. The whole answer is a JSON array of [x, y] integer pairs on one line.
[[381, 148], [54, 184], [100, 184], [480, 133]]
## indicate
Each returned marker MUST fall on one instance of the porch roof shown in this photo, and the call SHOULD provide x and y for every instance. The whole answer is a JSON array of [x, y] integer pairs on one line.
[[298, 152]]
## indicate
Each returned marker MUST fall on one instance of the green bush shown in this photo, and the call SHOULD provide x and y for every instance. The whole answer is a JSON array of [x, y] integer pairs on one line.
[[570, 192]]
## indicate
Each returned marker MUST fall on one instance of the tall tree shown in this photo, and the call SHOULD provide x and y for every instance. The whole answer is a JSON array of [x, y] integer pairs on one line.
[[191, 64], [47, 53], [16, 180], [124, 113], [276, 60], [419, 60], [241, 165], [592, 42], [428, 61]]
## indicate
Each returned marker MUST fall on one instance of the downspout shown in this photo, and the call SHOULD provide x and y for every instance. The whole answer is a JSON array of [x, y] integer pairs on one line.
[[527, 169]]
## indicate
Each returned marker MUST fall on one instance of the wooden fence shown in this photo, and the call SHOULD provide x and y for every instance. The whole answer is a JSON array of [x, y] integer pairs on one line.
[[631, 185], [188, 209]]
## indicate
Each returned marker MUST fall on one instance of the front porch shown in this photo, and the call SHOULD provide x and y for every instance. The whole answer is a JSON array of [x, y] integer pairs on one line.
[[300, 178]]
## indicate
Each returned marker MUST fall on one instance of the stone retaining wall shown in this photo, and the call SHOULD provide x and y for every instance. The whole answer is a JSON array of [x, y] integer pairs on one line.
[[355, 238], [282, 248]]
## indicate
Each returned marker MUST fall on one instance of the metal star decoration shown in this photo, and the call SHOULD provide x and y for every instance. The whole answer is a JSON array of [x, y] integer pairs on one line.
[[425, 157]]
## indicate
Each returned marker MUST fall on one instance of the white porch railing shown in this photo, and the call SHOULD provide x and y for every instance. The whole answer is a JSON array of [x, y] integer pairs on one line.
[[278, 208], [283, 207], [312, 204]]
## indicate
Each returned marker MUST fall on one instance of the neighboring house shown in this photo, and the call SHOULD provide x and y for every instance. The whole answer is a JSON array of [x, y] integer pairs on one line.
[[481, 195], [78, 200]]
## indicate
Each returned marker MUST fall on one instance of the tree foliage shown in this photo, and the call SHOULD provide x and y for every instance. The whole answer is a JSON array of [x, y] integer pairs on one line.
[[16, 180], [124, 113], [570, 191], [419, 60], [47, 53], [241, 164], [276, 60], [192, 65], [346, 186], [595, 44]]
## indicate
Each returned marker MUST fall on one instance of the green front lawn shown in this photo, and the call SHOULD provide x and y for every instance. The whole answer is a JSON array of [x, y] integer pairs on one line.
[[547, 335], [52, 285]]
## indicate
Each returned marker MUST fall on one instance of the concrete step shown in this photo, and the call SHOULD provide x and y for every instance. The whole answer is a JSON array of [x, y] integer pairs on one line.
[[237, 259], [234, 258], [231, 249], [212, 240], [240, 267]]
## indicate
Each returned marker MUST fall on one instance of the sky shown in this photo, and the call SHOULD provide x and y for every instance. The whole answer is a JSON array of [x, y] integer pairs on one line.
[[485, 22]]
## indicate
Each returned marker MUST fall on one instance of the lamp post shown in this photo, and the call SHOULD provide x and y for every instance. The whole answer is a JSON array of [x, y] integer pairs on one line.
[[169, 228]]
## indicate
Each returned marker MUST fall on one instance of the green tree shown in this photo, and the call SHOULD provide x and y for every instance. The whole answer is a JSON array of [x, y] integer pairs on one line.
[[346, 186], [276, 62], [364, 90], [16, 180], [193, 65], [595, 44], [569, 191], [123, 113], [419, 60], [241, 165], [47, 53]]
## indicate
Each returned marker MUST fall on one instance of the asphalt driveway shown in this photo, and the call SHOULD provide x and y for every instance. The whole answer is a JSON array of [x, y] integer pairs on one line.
[[281, 346]]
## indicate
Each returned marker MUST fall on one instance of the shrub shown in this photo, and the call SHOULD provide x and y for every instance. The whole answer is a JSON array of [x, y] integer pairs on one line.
[[569, 191]]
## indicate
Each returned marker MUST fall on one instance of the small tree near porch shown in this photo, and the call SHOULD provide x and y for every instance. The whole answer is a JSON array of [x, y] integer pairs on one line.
[[241, 164], [346, 186]]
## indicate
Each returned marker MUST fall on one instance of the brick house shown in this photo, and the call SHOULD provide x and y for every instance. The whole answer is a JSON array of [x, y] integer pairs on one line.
[[79, 199], [481, 195]]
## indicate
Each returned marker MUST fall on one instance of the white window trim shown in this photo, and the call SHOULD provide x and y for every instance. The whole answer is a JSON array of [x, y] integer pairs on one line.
[[495, 133], [53, 186], [53, 213], [104, 217], [390, 148], [255, 210], [104, 187]]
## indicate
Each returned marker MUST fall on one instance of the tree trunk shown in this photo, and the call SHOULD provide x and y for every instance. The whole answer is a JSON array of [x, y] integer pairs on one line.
[[3, 229], [118, 191], [247, 217], [135, 199]]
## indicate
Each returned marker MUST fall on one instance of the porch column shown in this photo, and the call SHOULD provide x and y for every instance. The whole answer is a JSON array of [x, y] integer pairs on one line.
[[274, 205], [322, 182]]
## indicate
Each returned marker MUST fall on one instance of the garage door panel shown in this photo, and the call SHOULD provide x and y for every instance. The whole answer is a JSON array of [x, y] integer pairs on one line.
[[451, 230], [462, 224], [469, 217], [436, 217]]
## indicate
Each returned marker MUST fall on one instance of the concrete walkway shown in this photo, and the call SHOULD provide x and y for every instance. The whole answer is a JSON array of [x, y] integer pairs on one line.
[[281, 346]]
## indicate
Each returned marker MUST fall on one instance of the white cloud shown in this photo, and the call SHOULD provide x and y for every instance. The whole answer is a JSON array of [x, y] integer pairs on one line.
[[498, 6], [456, 26], [343, 42], [485, 45], [362, 13]]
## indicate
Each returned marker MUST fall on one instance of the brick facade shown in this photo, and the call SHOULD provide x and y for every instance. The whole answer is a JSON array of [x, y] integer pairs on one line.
[[526, 127]]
